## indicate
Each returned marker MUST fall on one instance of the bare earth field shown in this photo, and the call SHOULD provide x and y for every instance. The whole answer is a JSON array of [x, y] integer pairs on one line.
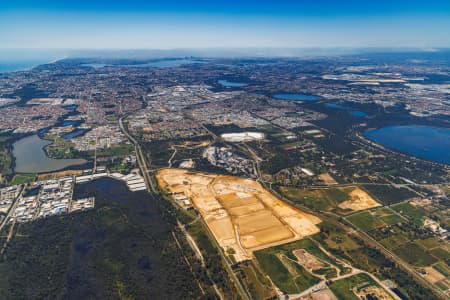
[[433, 276], [240, 213], [327, 179], [310, 262], [360, 200]]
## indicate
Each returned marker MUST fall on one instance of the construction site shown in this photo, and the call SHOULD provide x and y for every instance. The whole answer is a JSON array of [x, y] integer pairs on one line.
[[240, 213]]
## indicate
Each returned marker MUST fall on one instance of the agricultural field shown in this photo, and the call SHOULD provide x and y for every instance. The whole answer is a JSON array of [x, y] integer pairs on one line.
[[398, 230], [379, 218], [414, 213], [241, 214], [415, 255], [343, 200]]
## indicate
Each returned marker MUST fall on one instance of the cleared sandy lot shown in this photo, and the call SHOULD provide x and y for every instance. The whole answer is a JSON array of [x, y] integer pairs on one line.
[[240, 213], [360, 200]]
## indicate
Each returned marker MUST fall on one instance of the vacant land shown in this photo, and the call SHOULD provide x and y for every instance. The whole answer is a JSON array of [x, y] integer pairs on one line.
[[23, 178], [342, 199], [240, 213], [287, 274], [327, 179], [348, 288], [258, 285], [359, 200]]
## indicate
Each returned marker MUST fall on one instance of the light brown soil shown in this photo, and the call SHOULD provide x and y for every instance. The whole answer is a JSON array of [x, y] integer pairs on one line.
[[240, 213], [327, 179], [433, 275], [360, 200], [309, 261]]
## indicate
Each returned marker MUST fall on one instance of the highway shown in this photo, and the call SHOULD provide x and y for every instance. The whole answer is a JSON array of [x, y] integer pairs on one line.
[[139, 156], [11, 209]]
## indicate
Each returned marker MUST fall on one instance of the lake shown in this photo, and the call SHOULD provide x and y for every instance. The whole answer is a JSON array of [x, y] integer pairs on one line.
[[295, 97], [358, 113], [227, 83], [30, 157], [427, 142]]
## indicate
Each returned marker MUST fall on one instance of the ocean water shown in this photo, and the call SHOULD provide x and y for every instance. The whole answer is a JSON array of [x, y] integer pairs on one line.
[[427, 142], [12, 66], [12, 60]]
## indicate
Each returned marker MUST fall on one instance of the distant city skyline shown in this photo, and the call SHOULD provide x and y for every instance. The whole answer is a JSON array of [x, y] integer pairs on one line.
[[101, 24]]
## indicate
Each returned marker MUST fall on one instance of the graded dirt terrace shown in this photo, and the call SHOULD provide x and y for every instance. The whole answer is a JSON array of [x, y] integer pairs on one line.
[[240, 213]]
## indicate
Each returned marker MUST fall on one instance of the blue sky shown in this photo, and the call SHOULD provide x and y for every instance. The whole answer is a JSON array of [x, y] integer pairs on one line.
[[101, 24]]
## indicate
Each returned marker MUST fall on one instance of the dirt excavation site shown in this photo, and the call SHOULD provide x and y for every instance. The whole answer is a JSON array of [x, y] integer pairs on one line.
[[240, 213]]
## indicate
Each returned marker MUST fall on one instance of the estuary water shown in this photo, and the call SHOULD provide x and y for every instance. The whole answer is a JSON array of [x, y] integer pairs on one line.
[[427, 142], [30, 157]]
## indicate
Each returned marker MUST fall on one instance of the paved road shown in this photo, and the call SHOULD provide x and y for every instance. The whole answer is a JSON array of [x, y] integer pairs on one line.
[[140, 157]]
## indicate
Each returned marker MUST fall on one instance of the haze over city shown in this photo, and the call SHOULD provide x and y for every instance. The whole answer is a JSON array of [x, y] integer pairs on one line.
[[99, 24]]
